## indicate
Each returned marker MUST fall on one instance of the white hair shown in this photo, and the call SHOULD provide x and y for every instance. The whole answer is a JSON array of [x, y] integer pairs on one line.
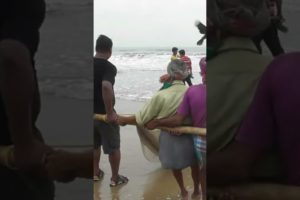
[[177, 67]]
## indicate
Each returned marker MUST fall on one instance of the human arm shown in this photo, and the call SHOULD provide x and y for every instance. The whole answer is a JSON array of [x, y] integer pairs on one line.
[[125, 120], [108, 99], [17, 87], [173, 121], [65, 166]]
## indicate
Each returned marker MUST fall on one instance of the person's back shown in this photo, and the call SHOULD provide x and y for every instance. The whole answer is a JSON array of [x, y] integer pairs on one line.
[[187, 61], [103, 70], [196, 97], [163, 104], [232, 83], [273, 119]]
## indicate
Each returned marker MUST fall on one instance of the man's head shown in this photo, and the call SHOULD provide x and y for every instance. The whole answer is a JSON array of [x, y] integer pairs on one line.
[[104, 45], [177, 70], [174, 50], [181, 53]]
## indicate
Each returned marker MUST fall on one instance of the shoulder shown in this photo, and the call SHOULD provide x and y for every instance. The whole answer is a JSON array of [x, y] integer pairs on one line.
[[111, 67]]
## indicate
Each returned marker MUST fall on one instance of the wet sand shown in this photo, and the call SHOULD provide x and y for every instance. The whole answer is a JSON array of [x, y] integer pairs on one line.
[[147, 179]]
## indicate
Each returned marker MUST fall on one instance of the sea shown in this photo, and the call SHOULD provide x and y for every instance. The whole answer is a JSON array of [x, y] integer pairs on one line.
[[137, 79]]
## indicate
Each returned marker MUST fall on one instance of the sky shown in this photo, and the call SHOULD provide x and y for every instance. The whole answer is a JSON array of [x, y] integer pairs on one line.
[[149, 23]]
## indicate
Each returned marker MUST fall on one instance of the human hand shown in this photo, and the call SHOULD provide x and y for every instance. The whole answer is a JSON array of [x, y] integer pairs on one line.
[[121, 120], [31, 156], [153, 124], [176, 133], [112, 117], [60, 166]]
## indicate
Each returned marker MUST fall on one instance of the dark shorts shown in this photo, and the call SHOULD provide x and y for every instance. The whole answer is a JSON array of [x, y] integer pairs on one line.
[[106, 135]]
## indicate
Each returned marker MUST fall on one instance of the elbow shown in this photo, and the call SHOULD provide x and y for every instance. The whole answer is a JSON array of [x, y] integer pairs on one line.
[[106, 86]]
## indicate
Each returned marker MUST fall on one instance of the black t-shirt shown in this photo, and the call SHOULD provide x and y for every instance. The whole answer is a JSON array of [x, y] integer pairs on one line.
[[20, 20], [103, 70]]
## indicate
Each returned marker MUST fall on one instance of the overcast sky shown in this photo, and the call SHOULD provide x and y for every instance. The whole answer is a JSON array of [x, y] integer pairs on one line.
[[149, 23]]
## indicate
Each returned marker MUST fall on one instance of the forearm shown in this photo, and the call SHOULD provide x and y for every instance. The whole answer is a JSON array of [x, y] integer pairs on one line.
[[128, 119], [17, 89], [108, 96], [173, 121]]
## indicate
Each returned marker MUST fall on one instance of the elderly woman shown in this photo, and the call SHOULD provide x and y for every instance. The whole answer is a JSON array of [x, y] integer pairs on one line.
[[175, 152], [193, 105]]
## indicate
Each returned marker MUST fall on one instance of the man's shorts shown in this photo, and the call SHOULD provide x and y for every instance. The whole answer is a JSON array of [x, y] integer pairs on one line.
[[106, 135]]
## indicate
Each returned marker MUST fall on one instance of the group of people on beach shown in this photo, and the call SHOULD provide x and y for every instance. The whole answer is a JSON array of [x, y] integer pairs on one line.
[[250, 111], [170, 106]]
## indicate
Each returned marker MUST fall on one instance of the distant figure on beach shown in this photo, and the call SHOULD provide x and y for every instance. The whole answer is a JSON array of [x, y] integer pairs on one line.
[[195, 97], [270, 35], [174, 53], [175, 152], [188, 63], [106, 135]]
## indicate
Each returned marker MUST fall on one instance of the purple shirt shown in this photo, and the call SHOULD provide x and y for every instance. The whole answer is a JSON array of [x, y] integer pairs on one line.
[[194, 105], [274, 116]]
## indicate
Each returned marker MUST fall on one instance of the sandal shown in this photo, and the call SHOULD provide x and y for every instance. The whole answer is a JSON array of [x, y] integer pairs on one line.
[[99, 176], [120, 180]]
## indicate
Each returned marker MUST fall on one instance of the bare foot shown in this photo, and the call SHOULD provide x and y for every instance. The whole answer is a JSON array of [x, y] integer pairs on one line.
[[184, 195], [196, 195]]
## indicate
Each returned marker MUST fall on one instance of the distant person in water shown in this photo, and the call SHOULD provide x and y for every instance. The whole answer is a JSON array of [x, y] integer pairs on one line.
[[175, 152], [165, 79], [188, 63], [106, 135], [195, 97], [174, 53], [270, 35]]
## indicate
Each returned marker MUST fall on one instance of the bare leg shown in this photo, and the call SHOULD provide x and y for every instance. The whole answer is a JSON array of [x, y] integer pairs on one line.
[[97, 154], [196, 179], [114, 160], [178, 176], [203, 181]]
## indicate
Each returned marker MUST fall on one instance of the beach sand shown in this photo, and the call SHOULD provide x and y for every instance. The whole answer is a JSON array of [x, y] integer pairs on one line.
[[147, 179]]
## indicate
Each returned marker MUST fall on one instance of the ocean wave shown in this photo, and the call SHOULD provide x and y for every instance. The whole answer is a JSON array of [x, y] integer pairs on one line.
[[137, 78]]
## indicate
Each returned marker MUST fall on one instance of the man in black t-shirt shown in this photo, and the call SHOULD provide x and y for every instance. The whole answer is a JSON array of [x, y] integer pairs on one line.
[[106, 135], [20, 101]]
